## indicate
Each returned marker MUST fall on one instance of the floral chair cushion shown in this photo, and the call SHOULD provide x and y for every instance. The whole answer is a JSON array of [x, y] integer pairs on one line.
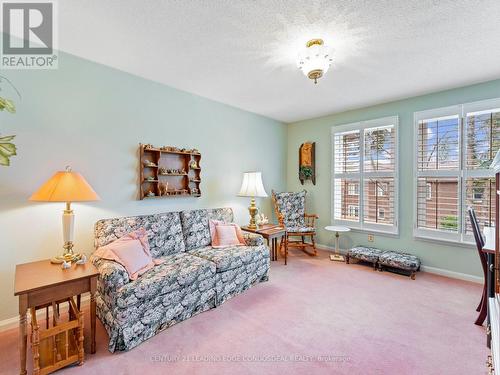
[[195, 228], [292, 207], [179, 271], [228, 258], [164, 231], [368, 254], [400, 260], [300, 229]]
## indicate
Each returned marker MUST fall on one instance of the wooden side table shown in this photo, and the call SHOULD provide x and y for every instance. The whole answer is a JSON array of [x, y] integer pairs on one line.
[[271, 232], [40, 283]]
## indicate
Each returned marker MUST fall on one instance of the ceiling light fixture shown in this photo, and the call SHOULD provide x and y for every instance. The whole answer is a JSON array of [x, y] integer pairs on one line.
[[315, 59]]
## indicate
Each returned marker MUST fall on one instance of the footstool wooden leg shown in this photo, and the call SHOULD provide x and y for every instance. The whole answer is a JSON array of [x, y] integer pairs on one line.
[[412, 276], [347, 259]]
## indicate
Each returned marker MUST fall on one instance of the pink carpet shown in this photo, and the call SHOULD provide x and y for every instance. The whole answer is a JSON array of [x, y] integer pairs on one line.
[[313, 317]]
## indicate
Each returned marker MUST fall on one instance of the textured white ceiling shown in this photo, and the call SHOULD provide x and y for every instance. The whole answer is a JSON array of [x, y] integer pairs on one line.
[[243, 53]]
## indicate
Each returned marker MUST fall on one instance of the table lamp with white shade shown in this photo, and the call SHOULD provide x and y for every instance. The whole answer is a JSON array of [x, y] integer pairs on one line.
[[66, 186], [252, 187]]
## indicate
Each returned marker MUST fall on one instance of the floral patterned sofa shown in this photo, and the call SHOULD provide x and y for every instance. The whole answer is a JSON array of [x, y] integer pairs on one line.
[[193, 278]]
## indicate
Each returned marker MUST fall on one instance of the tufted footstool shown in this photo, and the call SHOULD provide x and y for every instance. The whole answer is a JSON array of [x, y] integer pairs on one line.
[[399, 261], [366, 254]]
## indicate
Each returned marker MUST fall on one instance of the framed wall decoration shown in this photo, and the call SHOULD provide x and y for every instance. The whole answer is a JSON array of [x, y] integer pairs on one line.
[[307, 167]]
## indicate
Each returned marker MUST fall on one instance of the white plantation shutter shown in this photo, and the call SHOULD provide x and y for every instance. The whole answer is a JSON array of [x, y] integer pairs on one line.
[[438, 143], [482, 141], [364, 184], [347, 152], [454, 148], [346, 165], [437, 203]]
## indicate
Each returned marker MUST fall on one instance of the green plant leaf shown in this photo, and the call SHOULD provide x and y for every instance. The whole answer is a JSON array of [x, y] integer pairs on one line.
[[7, 149], [7, 138], [8, 105]]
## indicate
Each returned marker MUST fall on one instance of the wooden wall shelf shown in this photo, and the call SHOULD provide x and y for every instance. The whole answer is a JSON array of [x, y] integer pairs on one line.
[[175, 173]]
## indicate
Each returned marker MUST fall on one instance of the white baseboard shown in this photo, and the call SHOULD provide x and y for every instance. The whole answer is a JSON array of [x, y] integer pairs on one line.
[[13, 322], [452, 274], [429, 269]]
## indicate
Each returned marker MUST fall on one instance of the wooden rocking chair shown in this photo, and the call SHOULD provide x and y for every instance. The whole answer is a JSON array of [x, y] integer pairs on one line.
[[290, 211]]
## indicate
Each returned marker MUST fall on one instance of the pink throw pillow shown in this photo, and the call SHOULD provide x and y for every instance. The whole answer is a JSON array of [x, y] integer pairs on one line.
[[224, 235], [131, 251]]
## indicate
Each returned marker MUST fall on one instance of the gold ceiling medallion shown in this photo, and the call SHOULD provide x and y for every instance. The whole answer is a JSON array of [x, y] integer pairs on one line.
[[312, 42], [314, 60]]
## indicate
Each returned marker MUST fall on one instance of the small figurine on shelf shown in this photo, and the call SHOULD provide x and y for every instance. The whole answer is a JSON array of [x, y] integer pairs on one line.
[[148, 163], [162, 189], [148, 146], [162, 171], [150, 178], [183, 171], [195, 191], [193, 164], [195, 151], [150, 194]]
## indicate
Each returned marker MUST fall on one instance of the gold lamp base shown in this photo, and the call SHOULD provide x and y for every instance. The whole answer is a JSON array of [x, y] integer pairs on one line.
[[253, 213], [68, 255]]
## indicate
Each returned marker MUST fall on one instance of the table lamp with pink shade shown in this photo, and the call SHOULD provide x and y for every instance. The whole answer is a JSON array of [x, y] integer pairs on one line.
[[66, 186]]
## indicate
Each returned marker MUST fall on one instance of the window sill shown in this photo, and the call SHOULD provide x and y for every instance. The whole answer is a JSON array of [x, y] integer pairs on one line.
[[369, 231], [467, 245]]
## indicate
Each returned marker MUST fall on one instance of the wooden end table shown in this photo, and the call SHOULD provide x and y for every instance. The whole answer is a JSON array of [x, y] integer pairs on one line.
[[271, 232], [40, 283]]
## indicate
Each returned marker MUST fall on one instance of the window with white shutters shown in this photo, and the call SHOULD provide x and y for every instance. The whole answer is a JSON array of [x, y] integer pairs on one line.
[[364, 182], [454, 148]]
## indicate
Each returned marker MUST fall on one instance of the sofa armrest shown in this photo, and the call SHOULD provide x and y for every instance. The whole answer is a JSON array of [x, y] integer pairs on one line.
[[253, 239], [112, 275]]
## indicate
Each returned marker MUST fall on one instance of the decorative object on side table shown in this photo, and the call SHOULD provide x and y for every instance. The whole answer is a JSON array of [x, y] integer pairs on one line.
[[67, 186], [307, 163], [261, 220], [337, 229], [252, 187]]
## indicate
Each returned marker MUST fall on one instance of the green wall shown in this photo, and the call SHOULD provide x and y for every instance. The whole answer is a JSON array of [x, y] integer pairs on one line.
[[93, 117], [452, 258]]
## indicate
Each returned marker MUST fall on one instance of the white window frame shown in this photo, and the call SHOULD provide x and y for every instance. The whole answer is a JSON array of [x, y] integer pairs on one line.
[[461, 174], [360, 225]]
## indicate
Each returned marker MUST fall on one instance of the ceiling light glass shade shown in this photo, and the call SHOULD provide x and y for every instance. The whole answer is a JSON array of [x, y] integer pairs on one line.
[[252, 185], [315, 59]]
